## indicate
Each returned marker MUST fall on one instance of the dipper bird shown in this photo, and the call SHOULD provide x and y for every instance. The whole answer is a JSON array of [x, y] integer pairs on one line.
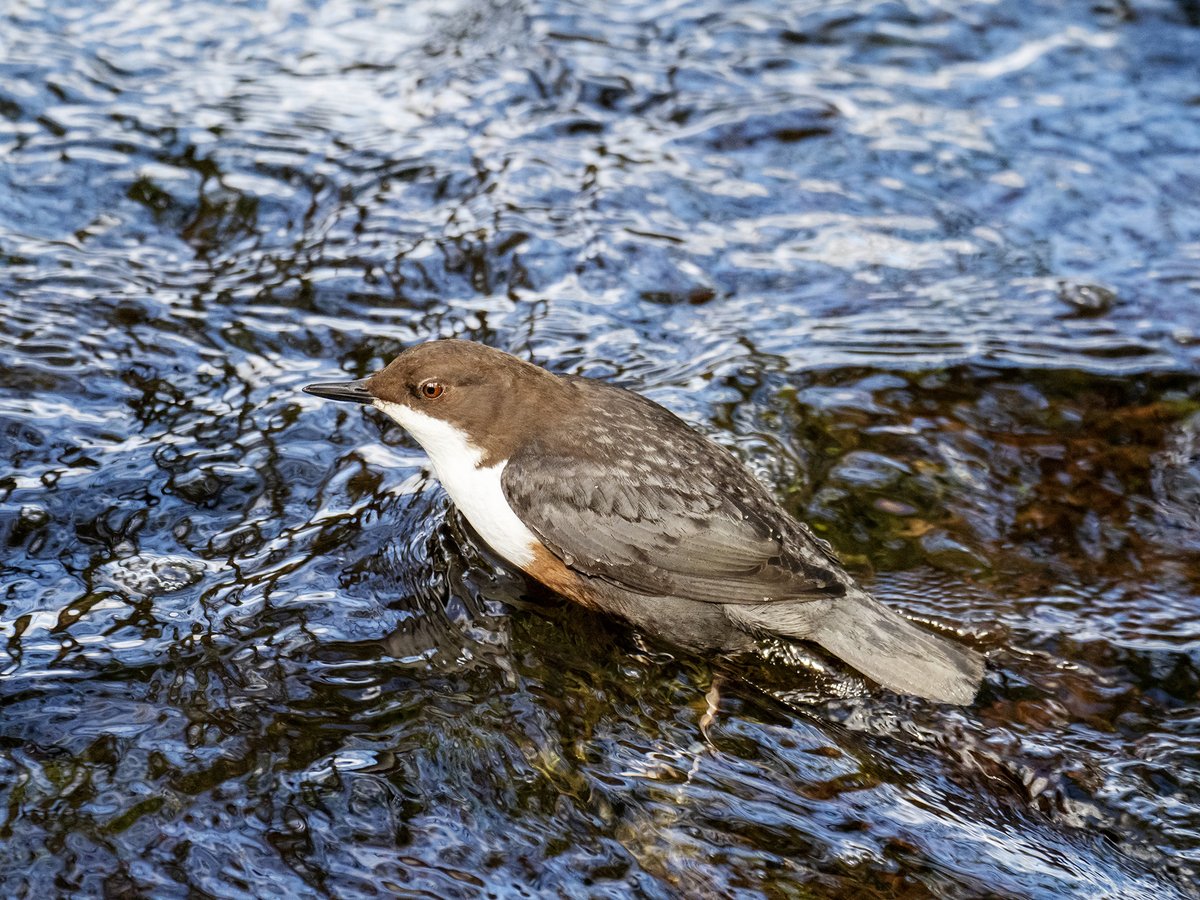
[[613, 501]]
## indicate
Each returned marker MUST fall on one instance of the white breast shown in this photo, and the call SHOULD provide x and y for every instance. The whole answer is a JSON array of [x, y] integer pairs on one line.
[[475, 489]]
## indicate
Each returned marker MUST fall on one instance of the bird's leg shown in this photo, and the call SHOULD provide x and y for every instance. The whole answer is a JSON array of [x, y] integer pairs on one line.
[[712, 700], [712, 706]]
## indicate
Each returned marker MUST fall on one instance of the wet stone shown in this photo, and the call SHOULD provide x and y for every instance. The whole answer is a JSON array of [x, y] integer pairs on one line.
[[1086, 300]]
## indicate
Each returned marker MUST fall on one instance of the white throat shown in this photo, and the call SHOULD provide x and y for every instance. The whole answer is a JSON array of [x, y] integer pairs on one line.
[[475, 489]]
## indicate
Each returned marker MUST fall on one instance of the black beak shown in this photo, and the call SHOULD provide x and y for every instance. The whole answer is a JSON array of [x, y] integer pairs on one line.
[[353, 391]]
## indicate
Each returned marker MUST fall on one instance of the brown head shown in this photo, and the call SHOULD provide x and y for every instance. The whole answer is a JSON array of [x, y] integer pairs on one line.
[[491, 396]]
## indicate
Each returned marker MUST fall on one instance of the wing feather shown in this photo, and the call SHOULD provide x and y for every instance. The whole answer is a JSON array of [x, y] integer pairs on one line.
[[668, 530]]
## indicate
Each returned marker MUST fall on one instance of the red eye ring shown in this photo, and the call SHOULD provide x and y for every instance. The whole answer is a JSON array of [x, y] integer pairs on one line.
[[431, 390]]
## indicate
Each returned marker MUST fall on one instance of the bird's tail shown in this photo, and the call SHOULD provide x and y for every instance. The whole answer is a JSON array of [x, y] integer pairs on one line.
[[875, 640]]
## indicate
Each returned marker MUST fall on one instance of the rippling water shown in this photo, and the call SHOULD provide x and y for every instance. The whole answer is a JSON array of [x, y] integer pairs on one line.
[[933, 271]]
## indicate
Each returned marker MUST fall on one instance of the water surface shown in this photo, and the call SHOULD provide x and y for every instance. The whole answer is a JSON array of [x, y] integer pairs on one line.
[[932, 271]]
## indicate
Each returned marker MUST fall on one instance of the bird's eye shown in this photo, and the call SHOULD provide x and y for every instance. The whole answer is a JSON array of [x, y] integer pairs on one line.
[[431, 390]]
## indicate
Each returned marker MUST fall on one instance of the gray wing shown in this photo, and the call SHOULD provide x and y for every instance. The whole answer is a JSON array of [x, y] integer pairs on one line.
[[618, 517]]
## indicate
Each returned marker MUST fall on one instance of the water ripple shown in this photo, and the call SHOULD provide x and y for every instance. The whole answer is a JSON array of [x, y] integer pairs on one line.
[[932, 272]]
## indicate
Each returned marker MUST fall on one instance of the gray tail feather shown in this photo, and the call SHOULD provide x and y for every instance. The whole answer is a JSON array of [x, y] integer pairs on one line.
[[875, 640]]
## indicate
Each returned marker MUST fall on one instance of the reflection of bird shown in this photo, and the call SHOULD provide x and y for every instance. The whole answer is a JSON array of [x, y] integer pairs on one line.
[[613, 501]]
